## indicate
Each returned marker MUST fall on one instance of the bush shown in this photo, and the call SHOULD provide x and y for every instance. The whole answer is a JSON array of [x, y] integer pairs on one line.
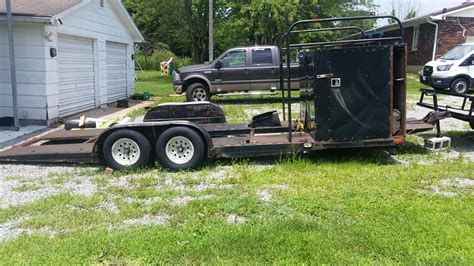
[[182, 61], [153, 62]]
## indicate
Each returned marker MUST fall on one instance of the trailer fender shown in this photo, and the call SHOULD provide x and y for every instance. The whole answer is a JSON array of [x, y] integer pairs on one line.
[[152, 131]]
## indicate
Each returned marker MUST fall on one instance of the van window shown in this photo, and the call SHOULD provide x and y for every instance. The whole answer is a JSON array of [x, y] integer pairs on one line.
[[234, 58], [262, 56], [458, 52]]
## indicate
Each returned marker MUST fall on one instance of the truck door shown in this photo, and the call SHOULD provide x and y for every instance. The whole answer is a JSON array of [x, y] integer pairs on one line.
[[234, 74], [263, 69]]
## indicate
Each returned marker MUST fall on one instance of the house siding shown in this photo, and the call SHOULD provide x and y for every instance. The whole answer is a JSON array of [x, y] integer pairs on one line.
[[31, 72], [101, 25]]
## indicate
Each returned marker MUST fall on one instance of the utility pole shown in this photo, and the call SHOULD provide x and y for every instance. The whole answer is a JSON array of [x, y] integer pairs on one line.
[[8, 6], [211, 31]]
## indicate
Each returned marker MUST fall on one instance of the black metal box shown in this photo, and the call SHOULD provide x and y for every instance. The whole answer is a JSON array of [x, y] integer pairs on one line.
[[352, 93]]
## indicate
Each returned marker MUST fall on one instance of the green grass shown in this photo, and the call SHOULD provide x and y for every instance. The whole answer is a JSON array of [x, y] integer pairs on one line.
[[413, 86], [153, 83], [336, 207], [157, 86]]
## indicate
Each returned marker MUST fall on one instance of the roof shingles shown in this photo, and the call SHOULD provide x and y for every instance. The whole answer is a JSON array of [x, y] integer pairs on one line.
[[38, 8]]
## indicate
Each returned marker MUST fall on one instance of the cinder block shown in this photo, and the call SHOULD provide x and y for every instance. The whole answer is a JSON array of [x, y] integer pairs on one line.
[[438, 143]]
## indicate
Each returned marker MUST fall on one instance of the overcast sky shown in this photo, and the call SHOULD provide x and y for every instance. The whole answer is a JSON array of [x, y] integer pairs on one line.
[[426, 6]]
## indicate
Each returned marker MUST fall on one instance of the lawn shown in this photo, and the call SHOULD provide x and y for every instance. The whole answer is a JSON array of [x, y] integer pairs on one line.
[[399, 205], [153, 83]]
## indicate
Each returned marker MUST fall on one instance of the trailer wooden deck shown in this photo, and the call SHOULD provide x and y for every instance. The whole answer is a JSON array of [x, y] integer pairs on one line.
[[58, 146]]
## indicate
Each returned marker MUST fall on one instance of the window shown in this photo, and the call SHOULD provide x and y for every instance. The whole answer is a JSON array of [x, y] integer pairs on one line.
[[416, 34], [262, 56], [458, 52], [234, 58], [101, 3]]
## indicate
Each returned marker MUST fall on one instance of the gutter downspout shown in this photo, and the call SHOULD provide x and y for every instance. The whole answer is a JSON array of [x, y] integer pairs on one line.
[[435, 37], [16, 122]]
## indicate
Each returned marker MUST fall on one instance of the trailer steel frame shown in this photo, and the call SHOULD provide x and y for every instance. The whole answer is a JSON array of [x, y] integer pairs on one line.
[[465, 112]]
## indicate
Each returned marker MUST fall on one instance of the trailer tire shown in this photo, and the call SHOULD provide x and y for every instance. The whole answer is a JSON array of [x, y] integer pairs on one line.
[[460, 86], [198, 92], [471, 123], [126, 148], [180, 148]]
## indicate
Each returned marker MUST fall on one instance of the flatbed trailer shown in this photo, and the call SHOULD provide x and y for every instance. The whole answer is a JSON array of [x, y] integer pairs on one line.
[[352, 95], [81, 146]]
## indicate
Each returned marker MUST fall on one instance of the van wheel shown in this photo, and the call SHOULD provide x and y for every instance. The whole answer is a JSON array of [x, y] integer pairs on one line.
[[460, 86], [126, 148], [197, 92], [180, 148]]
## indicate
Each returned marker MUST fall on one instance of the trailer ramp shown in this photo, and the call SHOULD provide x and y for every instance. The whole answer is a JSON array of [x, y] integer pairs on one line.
[[58, 146]]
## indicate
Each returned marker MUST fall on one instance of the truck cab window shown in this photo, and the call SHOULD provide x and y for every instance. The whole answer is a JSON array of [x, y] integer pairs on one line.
[[262, 56], [234, 58]]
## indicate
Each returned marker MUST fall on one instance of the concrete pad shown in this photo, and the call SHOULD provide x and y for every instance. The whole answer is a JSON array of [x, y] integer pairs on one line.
[[10, 137]]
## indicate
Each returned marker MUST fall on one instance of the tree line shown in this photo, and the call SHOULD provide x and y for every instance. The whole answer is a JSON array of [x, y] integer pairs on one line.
[[181, 26]]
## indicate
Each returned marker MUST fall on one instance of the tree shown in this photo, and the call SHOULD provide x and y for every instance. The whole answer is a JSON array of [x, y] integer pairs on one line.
[[183, 24], [405, 9]]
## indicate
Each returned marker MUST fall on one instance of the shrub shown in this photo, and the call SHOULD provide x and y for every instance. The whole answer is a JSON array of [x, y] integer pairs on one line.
[[153, 61]]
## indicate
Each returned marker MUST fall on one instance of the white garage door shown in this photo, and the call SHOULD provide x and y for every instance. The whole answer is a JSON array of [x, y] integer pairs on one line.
[[76, 75], [116, 71]]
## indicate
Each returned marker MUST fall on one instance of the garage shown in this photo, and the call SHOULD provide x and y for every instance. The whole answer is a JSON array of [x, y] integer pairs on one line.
[[116, 71], [76, 75], [72, 56]]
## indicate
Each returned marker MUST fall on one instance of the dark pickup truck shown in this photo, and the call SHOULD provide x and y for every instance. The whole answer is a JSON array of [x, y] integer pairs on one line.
[[239, 69]]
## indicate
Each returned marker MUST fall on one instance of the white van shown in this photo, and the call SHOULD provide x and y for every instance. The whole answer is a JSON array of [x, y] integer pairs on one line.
[[454, 70]]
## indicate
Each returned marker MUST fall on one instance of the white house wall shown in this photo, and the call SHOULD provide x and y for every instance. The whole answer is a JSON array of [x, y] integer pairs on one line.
[[100, 24], [32, 72], [467, 13]]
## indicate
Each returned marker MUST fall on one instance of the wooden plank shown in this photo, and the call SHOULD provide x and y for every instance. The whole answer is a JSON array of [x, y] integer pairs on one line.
[[415, 126], [73, 134], [49, 153], [261, 140]]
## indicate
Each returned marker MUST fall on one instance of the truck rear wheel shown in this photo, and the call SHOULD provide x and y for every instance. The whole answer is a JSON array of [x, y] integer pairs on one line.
[[180, 148], [460, 86], [126, 148], [197, 92]]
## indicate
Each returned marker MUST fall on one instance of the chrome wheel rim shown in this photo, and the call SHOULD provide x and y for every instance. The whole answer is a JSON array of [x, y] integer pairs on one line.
[[199, 95], [179, 150], [125, 151], [460, 87]]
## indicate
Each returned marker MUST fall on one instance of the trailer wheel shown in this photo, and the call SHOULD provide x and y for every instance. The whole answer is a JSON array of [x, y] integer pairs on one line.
[[460, 86], [180, 148], [197, 92], [471, 123], [126, 148]]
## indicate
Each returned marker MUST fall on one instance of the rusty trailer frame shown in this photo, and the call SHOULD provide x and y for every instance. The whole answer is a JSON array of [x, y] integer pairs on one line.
[[465, 112]]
